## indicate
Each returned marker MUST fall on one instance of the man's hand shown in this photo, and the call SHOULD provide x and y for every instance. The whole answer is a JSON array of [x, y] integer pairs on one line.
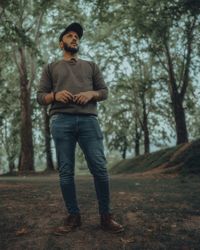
[[85, 97], [63, 96]]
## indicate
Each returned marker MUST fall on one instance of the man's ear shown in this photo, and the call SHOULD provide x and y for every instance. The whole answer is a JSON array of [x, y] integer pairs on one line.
[[61, 44]]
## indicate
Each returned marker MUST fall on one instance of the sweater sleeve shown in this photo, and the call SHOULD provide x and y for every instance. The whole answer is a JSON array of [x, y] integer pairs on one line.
[[99, 83], [45, 86]]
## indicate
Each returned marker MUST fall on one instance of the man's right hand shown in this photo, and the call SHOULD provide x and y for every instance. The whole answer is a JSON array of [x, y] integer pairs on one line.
[[63, 96]]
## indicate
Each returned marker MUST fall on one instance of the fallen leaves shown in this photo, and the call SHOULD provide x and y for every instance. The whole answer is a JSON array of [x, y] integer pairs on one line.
[[126, 241], [21, 231]]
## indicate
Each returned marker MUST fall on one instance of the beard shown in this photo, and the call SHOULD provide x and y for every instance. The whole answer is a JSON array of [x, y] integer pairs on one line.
[[70, 49]]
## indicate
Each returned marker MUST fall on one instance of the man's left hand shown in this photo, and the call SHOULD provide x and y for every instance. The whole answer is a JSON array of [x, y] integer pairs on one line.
[[85, 97]]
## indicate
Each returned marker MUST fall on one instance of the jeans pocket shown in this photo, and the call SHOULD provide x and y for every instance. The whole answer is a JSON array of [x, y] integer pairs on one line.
[[54, 118]]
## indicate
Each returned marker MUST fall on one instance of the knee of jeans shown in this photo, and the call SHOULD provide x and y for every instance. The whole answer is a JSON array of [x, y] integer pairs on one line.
[[100, 172], [97, 166], [102, 177], [66, 177], [98, 161]]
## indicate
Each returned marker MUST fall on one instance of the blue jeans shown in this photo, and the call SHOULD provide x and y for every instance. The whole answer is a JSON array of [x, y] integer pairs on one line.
[[67, 129]]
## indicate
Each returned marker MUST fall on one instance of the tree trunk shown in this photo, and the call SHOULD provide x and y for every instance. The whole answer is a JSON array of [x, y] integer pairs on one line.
[[179, 116], [137, 140], [27, 154], [49, 161], [146, 138], [124, 148], [145, 126], [11, 166], [177, 102]]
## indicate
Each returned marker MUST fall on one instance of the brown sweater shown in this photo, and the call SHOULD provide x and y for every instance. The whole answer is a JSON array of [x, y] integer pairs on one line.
[[74, 76]]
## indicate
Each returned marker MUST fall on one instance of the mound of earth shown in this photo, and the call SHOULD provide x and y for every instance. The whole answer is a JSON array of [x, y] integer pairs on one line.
[[183, 159]]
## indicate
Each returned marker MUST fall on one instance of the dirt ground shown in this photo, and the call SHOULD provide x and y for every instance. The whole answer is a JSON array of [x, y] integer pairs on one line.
[[159, 212]]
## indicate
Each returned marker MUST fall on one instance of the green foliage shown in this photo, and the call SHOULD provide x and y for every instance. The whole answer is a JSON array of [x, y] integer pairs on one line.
[[126, 39]]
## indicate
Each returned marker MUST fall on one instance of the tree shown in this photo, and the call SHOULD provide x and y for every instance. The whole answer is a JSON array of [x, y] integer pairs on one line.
[[9, 113], [170, 30], [23, 36]]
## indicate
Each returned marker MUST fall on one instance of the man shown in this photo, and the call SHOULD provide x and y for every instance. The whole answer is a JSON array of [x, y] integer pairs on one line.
[[73, 87]]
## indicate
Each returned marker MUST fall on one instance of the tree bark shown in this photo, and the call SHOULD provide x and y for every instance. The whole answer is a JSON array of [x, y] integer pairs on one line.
[[11, 166], [145, 125], [177, 102], [137, 140], [125, 145], [179, 115], [47, 135], [27, 154], [146, 136]]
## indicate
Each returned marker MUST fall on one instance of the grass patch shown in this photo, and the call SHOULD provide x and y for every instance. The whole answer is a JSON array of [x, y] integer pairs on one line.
[[186, 156]]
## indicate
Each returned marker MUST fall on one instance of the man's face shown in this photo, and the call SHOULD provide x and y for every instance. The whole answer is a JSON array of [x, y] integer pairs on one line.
[[70, 42]]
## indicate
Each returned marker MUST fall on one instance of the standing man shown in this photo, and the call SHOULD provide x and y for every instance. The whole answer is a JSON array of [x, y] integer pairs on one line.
[[73, 87]]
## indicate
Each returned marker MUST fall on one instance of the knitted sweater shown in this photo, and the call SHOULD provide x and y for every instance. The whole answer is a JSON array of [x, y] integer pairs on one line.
[[75, 76]]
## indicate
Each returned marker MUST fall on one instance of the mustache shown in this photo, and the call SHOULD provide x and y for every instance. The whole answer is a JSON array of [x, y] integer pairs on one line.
[[67, 48]]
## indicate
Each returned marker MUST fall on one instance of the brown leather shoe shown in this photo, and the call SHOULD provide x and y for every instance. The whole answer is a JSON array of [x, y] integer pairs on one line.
[[72, 222], [109, 224]]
